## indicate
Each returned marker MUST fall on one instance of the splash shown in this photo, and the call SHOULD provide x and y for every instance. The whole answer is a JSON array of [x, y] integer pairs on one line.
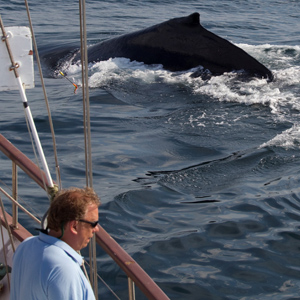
[[139, 84]]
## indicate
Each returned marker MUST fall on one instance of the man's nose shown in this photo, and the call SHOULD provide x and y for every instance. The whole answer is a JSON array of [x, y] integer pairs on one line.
[[96, 229]]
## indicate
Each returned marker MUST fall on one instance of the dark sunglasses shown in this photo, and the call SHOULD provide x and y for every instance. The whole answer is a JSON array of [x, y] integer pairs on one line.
[[93, 224]]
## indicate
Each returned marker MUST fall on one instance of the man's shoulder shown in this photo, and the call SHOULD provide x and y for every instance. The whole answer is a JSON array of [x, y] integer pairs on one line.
[[49, 250], [35, 246], [29, 243]]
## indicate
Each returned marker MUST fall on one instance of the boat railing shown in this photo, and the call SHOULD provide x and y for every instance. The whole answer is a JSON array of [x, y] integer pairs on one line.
[[136, 275]]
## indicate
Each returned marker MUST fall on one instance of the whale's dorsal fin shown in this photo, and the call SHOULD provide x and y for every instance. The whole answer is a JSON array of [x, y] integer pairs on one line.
[[192, 20]]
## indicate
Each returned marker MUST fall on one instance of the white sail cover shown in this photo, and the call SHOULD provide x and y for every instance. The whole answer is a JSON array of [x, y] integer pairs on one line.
[[21, 47]]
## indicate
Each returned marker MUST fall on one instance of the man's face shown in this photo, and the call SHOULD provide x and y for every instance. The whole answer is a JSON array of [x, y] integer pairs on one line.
[[85, 230]]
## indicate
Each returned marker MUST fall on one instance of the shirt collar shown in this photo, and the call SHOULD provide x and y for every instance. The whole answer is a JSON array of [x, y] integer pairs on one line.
[[61, 244]]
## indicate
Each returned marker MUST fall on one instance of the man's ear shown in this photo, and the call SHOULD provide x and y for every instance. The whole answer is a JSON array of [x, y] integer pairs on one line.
[[73, 226]]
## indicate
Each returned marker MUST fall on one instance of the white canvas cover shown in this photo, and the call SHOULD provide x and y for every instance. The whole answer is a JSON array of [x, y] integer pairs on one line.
[[21, 46]]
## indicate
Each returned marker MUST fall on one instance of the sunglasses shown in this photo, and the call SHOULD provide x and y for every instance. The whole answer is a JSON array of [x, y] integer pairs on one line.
[[93, 224]]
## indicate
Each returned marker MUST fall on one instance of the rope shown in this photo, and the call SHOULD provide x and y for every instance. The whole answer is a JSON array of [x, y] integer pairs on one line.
[[14, 66], [85, 93], [87, 133], [52, 191]]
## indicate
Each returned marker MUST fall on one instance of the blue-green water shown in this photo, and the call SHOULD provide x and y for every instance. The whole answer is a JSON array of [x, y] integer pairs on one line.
[[199, 180]]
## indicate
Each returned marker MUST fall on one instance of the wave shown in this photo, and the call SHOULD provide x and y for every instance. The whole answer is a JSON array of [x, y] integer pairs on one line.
[[288, 139]]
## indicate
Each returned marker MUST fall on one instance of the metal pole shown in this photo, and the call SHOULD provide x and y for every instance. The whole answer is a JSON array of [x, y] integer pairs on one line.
[[131, 289], [34, 132], [26, 106], [15, 194]]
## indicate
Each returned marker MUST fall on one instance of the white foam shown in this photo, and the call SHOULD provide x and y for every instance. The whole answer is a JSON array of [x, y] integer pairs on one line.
[[281, 96], [288, 139], [122, 69]]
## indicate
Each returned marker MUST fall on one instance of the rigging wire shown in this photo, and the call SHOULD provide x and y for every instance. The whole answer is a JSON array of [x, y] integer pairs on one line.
[[19, 205], [104, 283], [34, 214]]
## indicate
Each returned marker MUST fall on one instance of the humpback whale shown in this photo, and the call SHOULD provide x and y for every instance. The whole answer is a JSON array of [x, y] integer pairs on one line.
[[178, 44]]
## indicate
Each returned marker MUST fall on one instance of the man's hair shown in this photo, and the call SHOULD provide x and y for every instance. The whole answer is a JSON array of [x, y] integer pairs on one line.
[[69, 205]]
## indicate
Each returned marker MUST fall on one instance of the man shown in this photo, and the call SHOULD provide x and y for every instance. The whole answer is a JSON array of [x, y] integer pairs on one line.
[[48, 266]]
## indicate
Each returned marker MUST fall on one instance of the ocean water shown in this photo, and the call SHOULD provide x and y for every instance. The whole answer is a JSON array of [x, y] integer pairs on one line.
[[199, 179]]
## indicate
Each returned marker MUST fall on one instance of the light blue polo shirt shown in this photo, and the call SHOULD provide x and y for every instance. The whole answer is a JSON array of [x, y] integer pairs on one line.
[[45, 267]]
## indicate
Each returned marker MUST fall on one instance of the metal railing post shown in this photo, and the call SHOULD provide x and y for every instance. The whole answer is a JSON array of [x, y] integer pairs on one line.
[[131, 289], [15, 194]]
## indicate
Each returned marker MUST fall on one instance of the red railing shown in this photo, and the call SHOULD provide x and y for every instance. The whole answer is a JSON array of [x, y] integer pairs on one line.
[[132, 269]]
